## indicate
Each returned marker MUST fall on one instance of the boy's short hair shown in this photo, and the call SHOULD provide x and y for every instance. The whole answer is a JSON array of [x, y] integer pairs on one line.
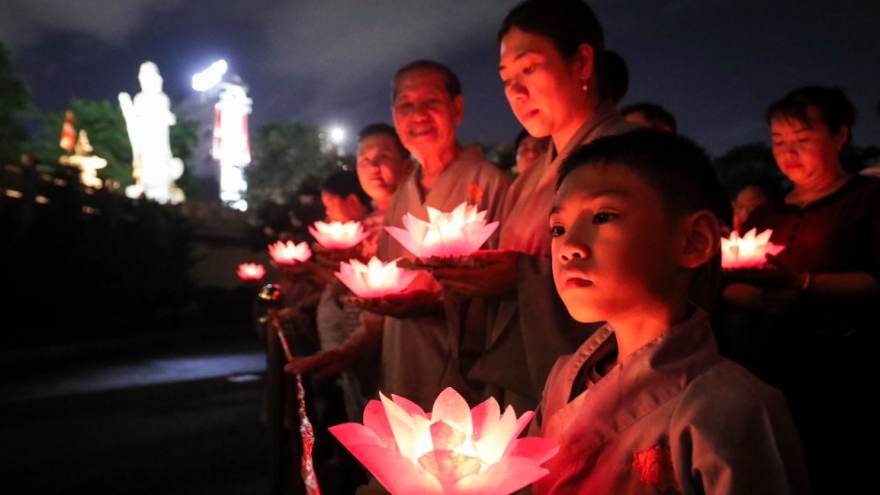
[[676, 167], [519, 138], [345, 183], [656, 114]]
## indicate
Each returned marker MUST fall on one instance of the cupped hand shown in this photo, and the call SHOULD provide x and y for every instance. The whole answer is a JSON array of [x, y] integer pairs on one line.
[[483, 273], [331, 258], [298, 271], [409, 304], [788, 276]]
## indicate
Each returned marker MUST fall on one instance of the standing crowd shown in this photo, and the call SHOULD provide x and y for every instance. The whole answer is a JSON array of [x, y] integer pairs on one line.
[[600, 302]]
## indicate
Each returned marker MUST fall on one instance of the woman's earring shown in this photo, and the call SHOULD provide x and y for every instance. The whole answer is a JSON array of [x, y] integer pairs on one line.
[[585, 87]]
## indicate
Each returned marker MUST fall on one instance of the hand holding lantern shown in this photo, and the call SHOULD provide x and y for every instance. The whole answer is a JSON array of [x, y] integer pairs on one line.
[[375, 278], [332, 258], [748, 251], [488, 273], [408, 304], [289, 253], [380, 288], [452, 450], [291, 260]]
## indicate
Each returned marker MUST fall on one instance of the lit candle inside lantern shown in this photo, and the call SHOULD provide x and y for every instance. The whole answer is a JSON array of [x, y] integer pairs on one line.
[[452, 450], [375, 278], [748, 251], [457, 233], [251, 271], [288, 253], [338, 235]]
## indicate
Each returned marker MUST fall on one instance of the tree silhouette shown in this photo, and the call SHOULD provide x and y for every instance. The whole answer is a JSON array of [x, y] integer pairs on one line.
[[105, 125], [283, 156], [747, 164], [14, 102]]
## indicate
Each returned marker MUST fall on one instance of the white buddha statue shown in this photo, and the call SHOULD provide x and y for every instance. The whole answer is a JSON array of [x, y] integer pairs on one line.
[[148, 119]]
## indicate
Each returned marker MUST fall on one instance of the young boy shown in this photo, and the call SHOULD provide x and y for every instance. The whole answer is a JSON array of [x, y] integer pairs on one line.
[[647, 404]]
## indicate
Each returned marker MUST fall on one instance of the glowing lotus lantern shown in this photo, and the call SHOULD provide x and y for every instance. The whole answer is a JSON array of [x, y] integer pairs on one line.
[[452, 450], [338, 235], [457, 233], [288, 253], [250, 272], [375, 278], [748, 251]]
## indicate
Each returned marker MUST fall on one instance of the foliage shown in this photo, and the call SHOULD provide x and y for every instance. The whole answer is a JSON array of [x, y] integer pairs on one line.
[[503, 155], [283, 155], [105, 126], [748, 164], [14, 103], [289, 161]]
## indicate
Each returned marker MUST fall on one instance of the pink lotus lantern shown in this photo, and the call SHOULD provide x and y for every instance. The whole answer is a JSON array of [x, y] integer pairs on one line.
[[375, 278], [452, 450], [338, 235], [748, 251], [250, 272], [289, 253], [457, 233]]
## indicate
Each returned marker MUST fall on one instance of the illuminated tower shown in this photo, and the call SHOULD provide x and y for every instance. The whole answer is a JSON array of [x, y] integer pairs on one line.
[[221, 107], [231, 144]]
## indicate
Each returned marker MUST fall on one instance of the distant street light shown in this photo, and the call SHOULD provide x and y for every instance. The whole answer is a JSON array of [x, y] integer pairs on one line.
[[337, 136], [209, 77]]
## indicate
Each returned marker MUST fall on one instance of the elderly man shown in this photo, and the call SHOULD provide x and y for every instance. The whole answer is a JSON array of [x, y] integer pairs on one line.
[[421, 351]]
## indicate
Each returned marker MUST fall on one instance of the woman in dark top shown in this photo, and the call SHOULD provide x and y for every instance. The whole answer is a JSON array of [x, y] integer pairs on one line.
[[808, 325]]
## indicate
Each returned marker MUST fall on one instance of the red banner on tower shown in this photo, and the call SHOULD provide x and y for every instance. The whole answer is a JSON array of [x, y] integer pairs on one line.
[[68, 132]]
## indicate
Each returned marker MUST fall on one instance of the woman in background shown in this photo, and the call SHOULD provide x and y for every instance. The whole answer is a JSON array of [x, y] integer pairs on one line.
[[811, 328]]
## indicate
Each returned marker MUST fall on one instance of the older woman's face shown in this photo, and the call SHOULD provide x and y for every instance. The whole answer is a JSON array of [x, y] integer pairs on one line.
[[540, 85], [806, 151]]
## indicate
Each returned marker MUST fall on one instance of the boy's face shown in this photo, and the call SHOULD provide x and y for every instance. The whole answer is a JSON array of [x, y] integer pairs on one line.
[[613, 247], [339, 209]]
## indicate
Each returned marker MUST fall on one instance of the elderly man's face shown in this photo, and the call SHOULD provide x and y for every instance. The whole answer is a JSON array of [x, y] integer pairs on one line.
[[425, 115]]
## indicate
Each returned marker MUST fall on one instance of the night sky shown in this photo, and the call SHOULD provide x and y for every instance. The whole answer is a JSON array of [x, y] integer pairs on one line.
[[715, 64]]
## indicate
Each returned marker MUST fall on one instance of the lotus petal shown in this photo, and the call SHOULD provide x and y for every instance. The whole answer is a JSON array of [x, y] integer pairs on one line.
[[375, 278], [251, 271], [338, 235], [288, 253], [749, 250], [410, 451], [457, 233]]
